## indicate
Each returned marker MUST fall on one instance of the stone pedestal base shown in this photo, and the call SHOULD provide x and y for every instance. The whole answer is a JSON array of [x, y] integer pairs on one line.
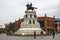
[[28, 31]]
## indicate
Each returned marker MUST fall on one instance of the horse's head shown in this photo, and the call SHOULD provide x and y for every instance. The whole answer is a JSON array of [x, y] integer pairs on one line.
[[29, 5]]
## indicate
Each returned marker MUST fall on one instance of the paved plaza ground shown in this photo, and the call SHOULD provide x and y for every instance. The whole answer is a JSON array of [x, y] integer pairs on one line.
[[4, 37]]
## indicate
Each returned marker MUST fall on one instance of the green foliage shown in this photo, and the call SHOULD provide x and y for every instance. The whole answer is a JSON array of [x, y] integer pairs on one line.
[[11, 27]]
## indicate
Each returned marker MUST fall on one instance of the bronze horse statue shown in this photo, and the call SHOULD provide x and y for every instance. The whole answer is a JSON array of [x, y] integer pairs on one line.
[[29, 7]]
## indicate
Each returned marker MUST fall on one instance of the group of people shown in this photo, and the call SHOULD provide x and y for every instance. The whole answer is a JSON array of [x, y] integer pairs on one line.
[[53, 34], [35, 34]]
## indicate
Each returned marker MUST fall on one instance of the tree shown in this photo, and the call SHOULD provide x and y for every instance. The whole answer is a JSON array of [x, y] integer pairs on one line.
[[11, 27]]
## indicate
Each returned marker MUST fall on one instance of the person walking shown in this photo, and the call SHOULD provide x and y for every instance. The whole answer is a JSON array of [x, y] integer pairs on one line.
[[53, 34], [41, 34]]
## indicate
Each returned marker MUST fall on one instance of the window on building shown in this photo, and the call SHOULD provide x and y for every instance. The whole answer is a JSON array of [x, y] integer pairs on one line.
[[41, 24], [30, 16], [48, 23], [33, 22], [29, 21], [26, 15], [55, 25]]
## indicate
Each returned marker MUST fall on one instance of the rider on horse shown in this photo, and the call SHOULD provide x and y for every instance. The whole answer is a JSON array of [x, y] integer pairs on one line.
[[29, 7]]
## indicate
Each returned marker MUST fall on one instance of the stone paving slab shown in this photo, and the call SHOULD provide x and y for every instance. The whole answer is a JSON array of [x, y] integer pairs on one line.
[[4, 37]]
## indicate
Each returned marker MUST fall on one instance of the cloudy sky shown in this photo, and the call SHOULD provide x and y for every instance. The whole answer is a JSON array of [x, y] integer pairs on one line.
[[11, 10]]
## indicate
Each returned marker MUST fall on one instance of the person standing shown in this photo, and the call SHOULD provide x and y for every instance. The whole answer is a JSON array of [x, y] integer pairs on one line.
[[34, 34]]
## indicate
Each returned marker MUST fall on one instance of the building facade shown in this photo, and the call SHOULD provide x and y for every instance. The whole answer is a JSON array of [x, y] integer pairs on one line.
[[47, 24]]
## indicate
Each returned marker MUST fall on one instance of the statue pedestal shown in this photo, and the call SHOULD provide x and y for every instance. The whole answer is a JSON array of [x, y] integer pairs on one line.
[[29, 25]]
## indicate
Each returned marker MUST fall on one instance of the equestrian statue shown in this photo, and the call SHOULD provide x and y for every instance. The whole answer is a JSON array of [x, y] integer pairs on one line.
[[29, 7]]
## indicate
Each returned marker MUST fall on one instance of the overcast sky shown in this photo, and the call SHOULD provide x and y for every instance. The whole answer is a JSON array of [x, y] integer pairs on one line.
[[11, 10]]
